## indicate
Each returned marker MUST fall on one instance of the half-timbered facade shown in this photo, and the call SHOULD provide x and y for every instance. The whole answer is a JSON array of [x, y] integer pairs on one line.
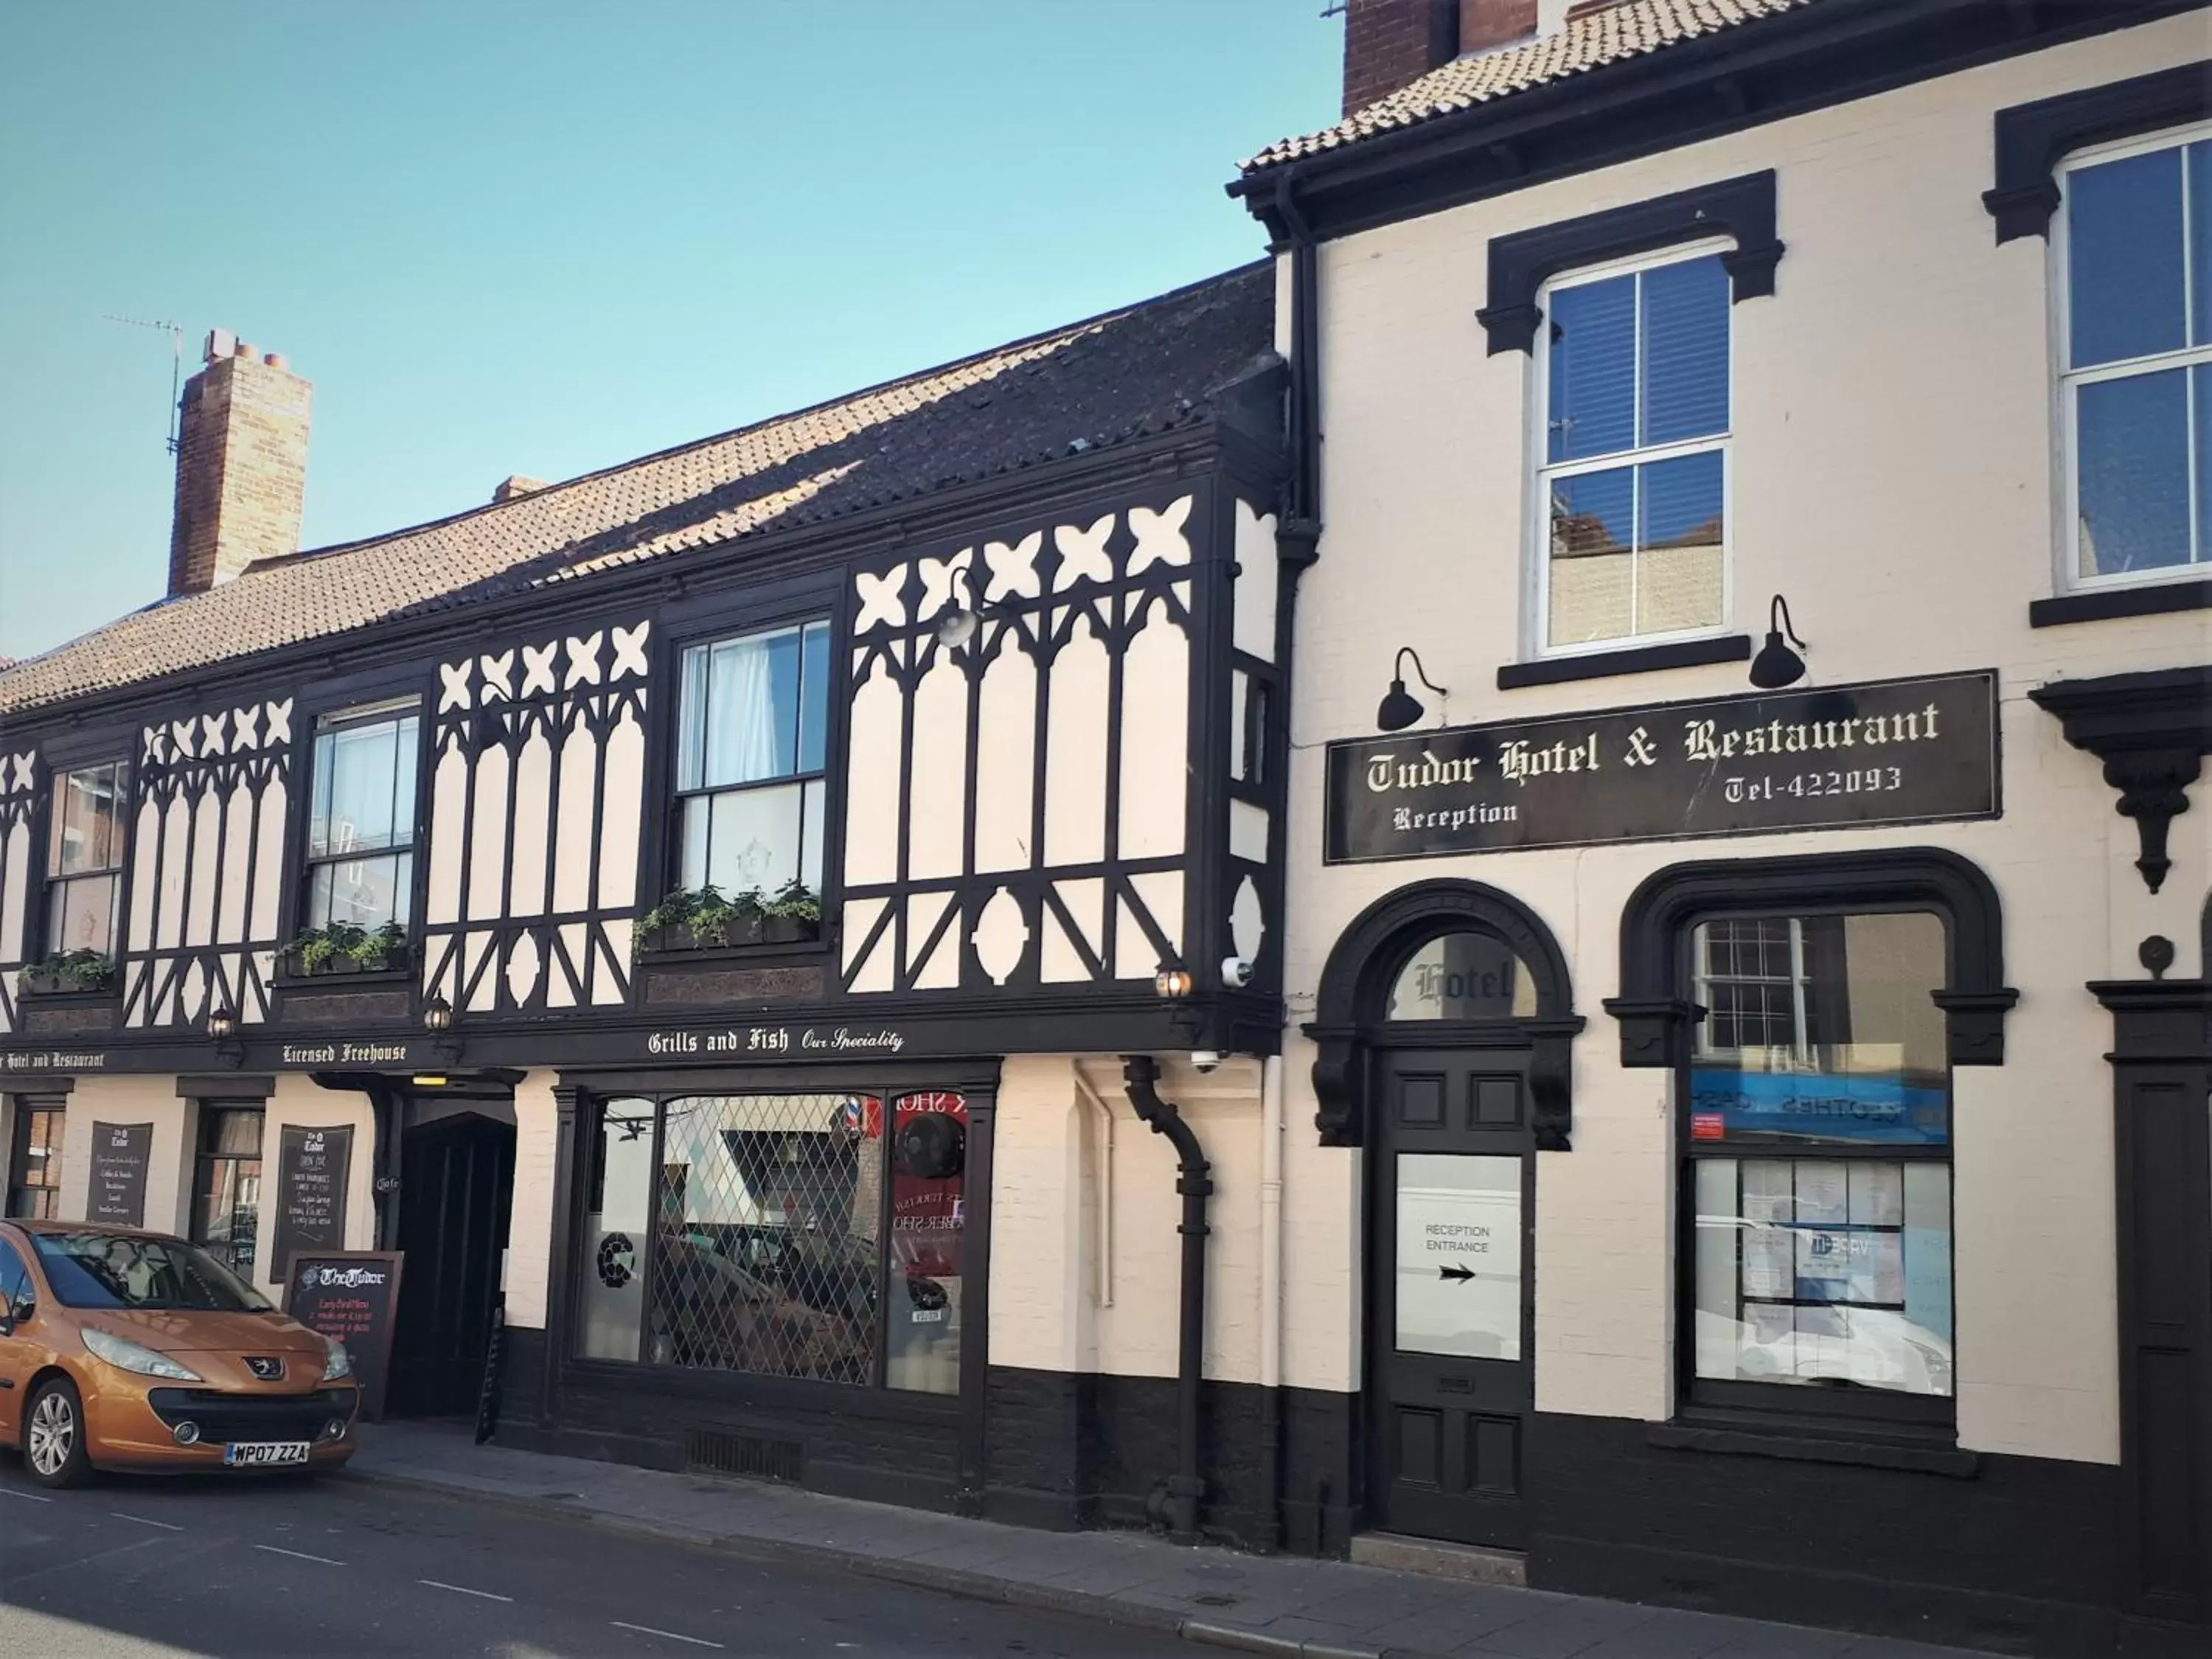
[[712, 902]]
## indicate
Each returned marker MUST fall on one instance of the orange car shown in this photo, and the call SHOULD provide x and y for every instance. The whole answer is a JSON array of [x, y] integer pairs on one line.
[[128, 1350]]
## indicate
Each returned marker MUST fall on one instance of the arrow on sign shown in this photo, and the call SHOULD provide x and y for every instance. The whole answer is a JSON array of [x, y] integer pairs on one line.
[[1455, 1272]]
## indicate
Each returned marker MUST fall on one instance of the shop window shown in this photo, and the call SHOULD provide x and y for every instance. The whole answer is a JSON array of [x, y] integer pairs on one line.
[[778, 1234], [34, 1163], [84, 866], [1633, 372], [2135, 374], [1467, 975], [226, 1216], [751, 736], [1817, 1146], [361, 827]]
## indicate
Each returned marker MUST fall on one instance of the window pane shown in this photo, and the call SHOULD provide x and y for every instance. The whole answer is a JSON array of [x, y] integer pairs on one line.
[[1458, 1277], [226, 1208], [2197, 162], [87, 831], [1463, 976], [612, 1244], [929, 1224], [355, 795], [1824, 1272], [2132, 436], [752, 708], [2124, 257], [810, 832], [698, 831], [1592, 569], [81, 914], [814, 697], [2200, 438], [754, 839], [1592, 409], [1685, 350], [769, 1255], [364, 892], [1821, 1028], [1679, 537], [231, 1132], [691, 721]]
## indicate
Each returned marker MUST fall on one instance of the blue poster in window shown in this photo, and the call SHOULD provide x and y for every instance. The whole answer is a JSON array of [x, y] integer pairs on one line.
[[1876, 1109]]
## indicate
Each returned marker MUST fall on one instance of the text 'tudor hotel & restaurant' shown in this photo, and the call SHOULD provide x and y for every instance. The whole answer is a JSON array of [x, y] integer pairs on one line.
[[1530, 876]]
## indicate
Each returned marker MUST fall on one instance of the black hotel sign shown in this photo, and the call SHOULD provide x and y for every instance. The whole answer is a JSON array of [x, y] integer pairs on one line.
[[1897, 751]]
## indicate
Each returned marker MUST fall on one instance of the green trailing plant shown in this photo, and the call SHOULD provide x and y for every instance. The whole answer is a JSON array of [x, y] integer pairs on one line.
[[82, 969], [713, 917], [346, 946]]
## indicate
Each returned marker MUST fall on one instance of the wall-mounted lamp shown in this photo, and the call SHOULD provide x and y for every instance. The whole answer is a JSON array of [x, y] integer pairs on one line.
[[1172, 982], [437, 1021], [1776, 665], [222, 1026], [1400, 707], [957, 626]]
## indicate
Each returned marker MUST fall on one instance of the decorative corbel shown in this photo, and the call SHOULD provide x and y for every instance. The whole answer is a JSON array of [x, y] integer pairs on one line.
[[1552, 1084], [2152, 732], [1340, 1080], [1655, 1031]]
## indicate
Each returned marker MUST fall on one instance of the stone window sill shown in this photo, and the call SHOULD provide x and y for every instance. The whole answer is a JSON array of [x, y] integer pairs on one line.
[[2152, 599], [1633, 659], [1797, 1444]]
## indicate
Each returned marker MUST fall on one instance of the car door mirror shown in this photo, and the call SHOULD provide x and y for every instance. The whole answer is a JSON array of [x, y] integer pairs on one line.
[[17, 1312]]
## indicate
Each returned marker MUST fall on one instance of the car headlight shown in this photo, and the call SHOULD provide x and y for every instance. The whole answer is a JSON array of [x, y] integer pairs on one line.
[[125, 1355], [339, 1363]]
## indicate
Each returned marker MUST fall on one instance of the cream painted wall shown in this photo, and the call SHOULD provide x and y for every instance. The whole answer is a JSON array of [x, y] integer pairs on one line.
[[1892, 473], [530, 1216], [126, 1100]]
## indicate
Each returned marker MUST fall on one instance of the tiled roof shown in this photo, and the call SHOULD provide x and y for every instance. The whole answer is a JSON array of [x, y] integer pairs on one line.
[[1590, 39], [1146, 368]]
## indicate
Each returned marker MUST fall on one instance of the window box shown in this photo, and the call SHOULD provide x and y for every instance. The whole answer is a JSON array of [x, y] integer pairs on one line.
[[343, 951], [72, 973], [703, 920]]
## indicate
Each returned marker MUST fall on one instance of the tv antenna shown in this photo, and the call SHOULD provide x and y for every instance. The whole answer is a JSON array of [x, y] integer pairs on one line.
[[176, 364]]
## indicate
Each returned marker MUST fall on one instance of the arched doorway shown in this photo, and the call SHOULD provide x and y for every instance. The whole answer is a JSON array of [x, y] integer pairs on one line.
[[1447, 1021]]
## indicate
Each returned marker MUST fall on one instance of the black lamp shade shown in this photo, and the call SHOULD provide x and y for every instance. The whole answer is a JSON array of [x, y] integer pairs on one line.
[[1399, 708], [1776, 665]]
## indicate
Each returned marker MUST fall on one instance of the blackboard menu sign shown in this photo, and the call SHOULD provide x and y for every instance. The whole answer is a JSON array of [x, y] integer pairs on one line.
[[1893, 752], [313, 1165], [119, 1156], [354, 1296]]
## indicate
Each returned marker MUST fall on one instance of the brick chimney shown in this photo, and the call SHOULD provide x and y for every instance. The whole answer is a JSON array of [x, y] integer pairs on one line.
[[241, 464], [1390, 43], [1483, 24]]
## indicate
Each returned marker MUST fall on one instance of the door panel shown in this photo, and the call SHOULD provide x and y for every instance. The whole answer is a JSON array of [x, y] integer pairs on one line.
[[457, 1179], [1450, 1375]]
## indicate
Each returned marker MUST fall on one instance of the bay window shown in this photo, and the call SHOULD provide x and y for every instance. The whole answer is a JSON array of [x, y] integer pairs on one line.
[[2135, 358], [751, 733], [1817, 1145], [1633, 378], [84, 865], [360, 828]]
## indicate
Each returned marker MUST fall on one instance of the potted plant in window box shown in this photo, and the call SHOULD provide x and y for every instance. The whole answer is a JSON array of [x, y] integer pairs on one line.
[[706, 919], [345, 947], [68, 973]]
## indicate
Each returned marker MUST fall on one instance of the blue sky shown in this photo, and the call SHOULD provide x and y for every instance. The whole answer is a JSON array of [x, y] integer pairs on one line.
[[542, 238]]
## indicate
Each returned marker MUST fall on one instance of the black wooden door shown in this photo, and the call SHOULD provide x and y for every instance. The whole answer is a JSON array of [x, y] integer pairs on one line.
[[1449, 1252], [457, 1179]]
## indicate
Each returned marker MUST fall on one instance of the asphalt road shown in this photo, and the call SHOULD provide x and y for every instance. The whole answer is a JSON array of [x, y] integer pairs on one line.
[[141, 1568]]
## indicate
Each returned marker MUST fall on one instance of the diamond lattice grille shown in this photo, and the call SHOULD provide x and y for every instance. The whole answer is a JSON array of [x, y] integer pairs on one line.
[[770, 1216]]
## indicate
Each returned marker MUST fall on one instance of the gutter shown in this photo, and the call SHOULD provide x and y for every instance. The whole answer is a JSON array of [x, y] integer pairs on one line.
[[1176, 1498]]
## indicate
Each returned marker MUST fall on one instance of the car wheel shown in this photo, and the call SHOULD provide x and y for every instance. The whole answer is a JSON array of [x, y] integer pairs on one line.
[[53, 1436]]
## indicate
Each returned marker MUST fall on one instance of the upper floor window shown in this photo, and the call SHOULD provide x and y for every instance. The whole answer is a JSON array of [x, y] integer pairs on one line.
[[1633, 374], [361, 830], [84, 870], [748, 765], [2135, 380]]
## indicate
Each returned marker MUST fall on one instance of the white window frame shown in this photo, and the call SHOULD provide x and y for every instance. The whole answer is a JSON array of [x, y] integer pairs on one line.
[[2066, 381], [406, 796], [1541, 471]]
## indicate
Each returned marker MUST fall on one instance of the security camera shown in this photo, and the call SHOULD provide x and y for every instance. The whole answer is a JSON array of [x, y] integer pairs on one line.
[[1235, 972], [1204, 1058]]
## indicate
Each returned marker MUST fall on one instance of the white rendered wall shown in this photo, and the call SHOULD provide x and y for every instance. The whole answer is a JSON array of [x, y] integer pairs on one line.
[[1893, 473], [122, 1101], [530, 1217], [299, 1100]]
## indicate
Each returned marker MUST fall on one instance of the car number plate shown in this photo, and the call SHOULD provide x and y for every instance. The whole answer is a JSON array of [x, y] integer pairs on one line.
[[263, 1453], [927, 1315]]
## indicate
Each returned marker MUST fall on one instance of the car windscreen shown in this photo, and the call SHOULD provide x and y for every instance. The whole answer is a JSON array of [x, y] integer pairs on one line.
[[116, 1270]]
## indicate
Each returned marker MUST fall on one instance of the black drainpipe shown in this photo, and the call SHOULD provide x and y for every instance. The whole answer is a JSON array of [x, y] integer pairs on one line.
[[1140, 1075]]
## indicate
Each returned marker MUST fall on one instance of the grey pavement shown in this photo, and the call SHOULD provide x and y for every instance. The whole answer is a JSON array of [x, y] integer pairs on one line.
[[1284, 1605]]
